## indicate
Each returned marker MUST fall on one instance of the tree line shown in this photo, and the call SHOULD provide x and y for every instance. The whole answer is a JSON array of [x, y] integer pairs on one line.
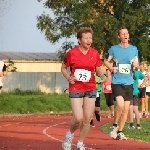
[[103, 16]]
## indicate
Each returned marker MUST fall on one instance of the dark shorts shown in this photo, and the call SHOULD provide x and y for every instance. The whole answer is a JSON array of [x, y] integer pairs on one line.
[[0, 87], [89, 94], [126, 91], [135, 100], [142, 93], [148, 94], [97, 102], [109, 99]]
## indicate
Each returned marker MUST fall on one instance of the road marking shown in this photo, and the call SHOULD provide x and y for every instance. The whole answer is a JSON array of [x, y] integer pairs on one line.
[[48, 135]]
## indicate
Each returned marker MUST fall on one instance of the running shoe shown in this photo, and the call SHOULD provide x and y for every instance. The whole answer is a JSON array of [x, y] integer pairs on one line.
[[92, 123], [98, 117], [138, 128], [111, 115], [113, 132], [121, 136], [133, 127], [66, 145], [80, 147]]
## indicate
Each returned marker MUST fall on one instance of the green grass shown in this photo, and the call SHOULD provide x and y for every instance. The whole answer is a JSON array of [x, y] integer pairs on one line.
[[23, 102], [141, 135], [44, 103]]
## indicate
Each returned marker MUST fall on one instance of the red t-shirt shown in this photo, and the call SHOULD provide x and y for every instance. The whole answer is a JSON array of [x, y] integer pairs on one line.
[[75, 59]]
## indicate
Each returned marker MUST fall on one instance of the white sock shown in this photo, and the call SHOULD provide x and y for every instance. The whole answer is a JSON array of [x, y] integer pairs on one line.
[[79, 143], [70, 134]]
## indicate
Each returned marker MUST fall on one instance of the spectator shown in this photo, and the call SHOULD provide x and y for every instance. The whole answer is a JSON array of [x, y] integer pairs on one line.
[[3, 72]]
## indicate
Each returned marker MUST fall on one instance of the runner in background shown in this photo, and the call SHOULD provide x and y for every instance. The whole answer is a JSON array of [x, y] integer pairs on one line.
[[83, 61], [147, 95], [108, 94], [142, 93], [133, 109], [99, 81]]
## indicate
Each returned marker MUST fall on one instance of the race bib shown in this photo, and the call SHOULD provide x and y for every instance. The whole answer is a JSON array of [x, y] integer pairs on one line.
[[82, 75], [108, 87], [124, 68]]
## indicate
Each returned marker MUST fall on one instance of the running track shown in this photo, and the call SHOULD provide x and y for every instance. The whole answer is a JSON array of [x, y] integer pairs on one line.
[[46, 132]]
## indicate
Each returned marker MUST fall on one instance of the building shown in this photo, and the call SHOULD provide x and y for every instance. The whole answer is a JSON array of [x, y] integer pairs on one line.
[[33, 62]]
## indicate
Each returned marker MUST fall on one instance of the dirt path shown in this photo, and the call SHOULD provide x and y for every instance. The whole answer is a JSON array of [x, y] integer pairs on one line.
[[46, 132]]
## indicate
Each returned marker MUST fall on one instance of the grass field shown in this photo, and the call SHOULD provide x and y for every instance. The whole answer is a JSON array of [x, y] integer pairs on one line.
[[141, 135], [23, 102], [34, 101]]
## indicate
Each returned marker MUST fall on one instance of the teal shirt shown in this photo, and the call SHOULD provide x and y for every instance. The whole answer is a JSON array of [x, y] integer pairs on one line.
[[99, 85], [139, 75]]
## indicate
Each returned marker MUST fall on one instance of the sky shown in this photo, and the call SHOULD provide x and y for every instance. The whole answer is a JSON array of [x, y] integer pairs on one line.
[[18, 31]]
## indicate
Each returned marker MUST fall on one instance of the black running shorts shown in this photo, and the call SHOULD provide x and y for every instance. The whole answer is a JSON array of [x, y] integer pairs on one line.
[[126, 91], [142, 93]]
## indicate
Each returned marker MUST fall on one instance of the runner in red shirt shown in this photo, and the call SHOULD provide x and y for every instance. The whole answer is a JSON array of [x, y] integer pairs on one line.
[[83, 61]]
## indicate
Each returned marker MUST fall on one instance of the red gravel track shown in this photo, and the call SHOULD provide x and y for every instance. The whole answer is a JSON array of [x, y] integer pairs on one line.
[[46, 132]]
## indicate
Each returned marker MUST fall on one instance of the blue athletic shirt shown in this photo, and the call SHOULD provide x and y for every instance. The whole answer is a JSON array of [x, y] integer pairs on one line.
[[138, 75], [122, 55]]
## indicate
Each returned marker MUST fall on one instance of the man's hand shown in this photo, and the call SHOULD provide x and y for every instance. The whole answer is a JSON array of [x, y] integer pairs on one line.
[[114, 69]]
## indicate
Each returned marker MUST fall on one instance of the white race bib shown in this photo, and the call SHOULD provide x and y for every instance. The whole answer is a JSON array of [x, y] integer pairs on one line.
[[124, 68], [108, 87], [82, 75]]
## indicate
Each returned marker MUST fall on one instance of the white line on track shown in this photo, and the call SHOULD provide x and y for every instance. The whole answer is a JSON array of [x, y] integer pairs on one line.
[[48, 135]]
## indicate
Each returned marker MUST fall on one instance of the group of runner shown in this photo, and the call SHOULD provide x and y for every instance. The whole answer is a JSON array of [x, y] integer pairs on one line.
[[84, 62]]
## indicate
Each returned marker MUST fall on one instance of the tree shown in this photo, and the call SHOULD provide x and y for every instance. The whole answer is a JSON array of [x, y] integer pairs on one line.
[[11, 66], [103, 16]]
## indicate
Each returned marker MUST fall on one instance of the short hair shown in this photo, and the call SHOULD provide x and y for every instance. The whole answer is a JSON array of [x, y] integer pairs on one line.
[[83, 30], [121, 29], [141, 64]]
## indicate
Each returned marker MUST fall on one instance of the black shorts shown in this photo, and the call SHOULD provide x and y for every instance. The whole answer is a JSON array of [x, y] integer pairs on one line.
[[0, 87], [89, 94], [148, 94], [142, 93], [135, 100], [109, 99], [126, 91]]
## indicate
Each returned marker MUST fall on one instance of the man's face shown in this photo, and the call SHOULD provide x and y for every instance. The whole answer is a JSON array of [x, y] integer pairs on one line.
[[123, 35]]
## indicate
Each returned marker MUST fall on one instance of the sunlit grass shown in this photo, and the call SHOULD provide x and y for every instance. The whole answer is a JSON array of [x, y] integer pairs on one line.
[[142, 135]]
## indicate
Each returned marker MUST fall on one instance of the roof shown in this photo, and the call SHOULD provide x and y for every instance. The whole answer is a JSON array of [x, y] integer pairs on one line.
[[28, 56]]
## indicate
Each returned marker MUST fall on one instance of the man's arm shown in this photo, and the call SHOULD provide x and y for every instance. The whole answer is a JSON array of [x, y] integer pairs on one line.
[[109, 65]]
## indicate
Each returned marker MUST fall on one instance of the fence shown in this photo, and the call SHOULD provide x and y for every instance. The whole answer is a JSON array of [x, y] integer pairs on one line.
[[48, 82]]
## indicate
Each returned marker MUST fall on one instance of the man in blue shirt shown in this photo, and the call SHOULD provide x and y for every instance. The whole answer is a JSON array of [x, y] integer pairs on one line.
[[125, 57]]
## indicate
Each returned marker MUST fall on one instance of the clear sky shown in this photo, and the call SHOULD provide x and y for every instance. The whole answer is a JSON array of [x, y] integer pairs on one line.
[[18, 31]]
